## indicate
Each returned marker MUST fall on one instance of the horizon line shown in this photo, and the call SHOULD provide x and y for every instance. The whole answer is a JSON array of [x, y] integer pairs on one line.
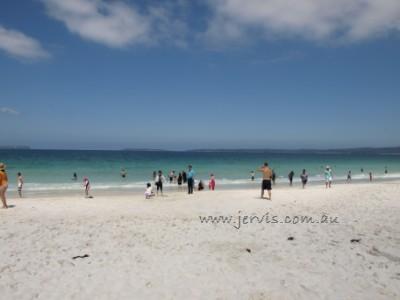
[[208, 149]]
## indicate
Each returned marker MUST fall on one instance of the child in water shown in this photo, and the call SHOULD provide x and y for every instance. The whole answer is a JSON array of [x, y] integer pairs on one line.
[[211, 184]]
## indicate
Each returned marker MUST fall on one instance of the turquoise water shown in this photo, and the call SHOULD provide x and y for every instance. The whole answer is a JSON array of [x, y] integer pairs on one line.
[[45, 170]]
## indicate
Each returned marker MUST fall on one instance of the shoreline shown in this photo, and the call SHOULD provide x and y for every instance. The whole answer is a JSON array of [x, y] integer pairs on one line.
[[126, 191]]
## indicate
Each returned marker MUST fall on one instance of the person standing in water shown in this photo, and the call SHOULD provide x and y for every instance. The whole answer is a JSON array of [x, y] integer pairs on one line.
[[20, 183], [328, 177], [349, 176], [174, 177], [266, 181], [304, 178], [386, 170], [3, 185], [370, 176], [190, 179], [252, 175], [74, 177], [123, 173], [290, 176]]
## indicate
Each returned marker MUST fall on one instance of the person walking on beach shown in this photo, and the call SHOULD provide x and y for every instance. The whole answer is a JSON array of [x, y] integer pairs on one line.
[[159, 182], [304, 178], [3, 185], [266, 181], [86, 185], [190, 179], [252, 175], [20, 183], [328, 177], [211, 184], [349, 176], [290, 176]]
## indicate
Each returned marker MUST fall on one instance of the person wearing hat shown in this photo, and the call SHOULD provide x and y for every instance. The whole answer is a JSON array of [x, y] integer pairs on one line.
[[3, 184], [328, 177]]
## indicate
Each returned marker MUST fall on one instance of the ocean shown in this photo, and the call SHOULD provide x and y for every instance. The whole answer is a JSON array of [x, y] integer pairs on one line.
[[52, 170]]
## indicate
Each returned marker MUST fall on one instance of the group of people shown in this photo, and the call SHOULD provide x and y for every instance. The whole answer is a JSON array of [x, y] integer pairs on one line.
[[269, 178], [370, 176], [182, 178], [4, 184]]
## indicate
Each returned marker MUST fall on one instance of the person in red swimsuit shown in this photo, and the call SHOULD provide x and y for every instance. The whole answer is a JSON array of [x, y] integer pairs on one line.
[[211, 184]]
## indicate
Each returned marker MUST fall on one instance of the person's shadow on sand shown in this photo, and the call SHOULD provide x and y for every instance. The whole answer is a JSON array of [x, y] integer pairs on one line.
[[9, 206]]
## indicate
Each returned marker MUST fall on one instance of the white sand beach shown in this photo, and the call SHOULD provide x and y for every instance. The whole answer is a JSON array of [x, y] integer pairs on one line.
[[159, 248]]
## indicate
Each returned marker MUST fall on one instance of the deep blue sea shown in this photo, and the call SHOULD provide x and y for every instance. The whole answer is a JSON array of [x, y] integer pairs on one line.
[[46, 170]]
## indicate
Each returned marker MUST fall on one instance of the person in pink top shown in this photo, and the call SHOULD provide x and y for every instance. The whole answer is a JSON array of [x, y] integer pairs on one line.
[[211, 184]]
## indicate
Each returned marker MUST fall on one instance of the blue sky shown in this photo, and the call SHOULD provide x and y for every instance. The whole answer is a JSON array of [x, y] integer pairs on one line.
[[96, 74]]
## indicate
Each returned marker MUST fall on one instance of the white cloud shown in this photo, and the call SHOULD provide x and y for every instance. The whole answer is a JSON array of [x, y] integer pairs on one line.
[[318, 20], [7, 110], [112, 23], [20, 45]]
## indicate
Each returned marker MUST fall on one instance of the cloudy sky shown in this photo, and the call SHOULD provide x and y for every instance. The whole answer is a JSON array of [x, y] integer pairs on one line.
[[176, 74]]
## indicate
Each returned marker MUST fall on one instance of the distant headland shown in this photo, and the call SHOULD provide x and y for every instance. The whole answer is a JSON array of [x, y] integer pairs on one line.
[[15, 148]]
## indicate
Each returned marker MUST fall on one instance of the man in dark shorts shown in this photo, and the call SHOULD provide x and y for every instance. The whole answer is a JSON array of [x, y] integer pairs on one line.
[[266, 182]]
